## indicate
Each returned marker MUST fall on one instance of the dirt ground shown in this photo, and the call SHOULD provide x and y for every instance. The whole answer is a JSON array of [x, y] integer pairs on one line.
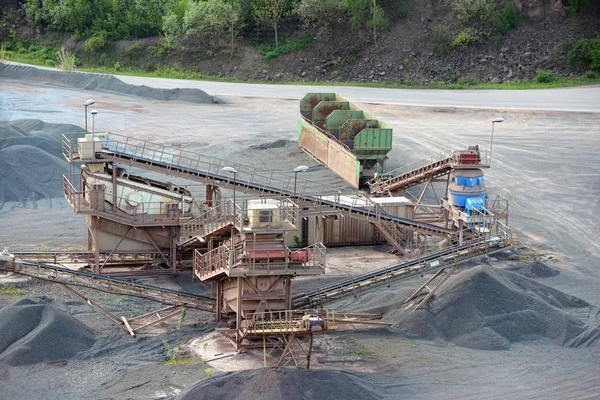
[[545, 163]]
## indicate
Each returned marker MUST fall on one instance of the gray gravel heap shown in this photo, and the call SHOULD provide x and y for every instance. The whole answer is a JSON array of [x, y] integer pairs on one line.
[[35, 332], [102, 83], [289, 384], [31, 161], [488, 308]]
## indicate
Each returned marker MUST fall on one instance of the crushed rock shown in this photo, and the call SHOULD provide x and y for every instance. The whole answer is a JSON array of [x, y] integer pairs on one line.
[[34, 331], [102, 83]]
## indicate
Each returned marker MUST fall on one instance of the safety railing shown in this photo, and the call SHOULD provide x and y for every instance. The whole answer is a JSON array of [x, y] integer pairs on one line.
[[115, 146], [93, 201], [439, 163], [212, 220], [287, 321], [210, 171], [276, 261]]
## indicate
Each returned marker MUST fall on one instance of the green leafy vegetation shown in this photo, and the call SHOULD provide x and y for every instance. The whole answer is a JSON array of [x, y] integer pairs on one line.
[[321, 15], [441, 39], [576, 6], [11, 290], [585, 54], [270, 12], [65, 60], [467, 37], [475, 13], [119, 19], [508, 18], [544, 76], [269, 51]]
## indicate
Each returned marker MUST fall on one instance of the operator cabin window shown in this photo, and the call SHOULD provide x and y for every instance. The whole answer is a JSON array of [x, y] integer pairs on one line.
[[266, 216]]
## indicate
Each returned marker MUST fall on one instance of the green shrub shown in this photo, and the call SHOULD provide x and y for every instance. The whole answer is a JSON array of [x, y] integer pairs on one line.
[[508, 18], [95, 43], [65, 60], [575, 6], [268, 51], [591, 75], [441, 39], [475, 13], [544, 76], [585, 53], [466, 38]]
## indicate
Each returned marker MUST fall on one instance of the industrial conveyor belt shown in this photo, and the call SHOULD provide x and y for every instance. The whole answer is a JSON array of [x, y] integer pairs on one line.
[[107, 284], [404, 180], [143, 155], [439, 259]]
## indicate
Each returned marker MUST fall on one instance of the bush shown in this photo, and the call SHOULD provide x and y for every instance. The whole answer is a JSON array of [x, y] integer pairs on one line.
[[544, 76], [65, 60], [591, 75], [508, 18], [575, 6], [210, 17], [321, 15], [268, 51], [585, 53], [95, 43], [441, 39], [466, 38], [475, 13]]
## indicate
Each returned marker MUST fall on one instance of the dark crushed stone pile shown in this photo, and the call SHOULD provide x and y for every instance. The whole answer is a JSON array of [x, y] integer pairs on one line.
[[34, 331], [289, 384], [536, 269], [487, 308], [103, 83], [31, 161]]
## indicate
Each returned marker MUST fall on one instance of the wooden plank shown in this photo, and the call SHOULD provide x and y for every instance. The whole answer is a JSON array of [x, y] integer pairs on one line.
[[131, 332]]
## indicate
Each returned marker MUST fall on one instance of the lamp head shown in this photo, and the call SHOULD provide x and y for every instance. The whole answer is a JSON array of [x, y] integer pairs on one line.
[[230, 169], [94, 112], [89, 102], [499, 119], [301, 168]]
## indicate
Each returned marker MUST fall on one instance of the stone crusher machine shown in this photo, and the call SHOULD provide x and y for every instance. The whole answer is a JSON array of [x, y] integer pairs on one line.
[[348, 140], [253, 271]]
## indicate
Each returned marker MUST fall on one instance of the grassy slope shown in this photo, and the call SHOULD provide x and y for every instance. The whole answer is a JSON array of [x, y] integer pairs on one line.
[[33, 59]]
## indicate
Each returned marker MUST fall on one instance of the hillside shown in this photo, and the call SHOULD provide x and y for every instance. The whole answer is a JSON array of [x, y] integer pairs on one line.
[[419, 42]]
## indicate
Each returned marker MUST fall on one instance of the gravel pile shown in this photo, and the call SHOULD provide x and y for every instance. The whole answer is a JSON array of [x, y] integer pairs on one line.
[[537, 269], [289, 384], [486, 308], [35, 332], [31, 161], [102, 83]]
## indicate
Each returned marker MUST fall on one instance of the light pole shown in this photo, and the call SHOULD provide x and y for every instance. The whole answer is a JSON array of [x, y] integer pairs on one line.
[[234, 172], [94, 112], [494, 121], [301, 168], [85, 106]]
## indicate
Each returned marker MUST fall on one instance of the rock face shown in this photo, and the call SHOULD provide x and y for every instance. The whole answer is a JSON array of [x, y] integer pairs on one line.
[[537, 9]]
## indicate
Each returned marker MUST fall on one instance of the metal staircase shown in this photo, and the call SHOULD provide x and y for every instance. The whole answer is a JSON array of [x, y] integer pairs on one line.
[[216, 219]]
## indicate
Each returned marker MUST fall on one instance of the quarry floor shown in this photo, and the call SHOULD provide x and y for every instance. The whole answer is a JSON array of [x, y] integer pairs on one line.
[[545, 163]]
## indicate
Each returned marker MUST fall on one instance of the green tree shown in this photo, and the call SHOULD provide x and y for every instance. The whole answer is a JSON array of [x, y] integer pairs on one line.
[[377, 21], [358, 10], [235, 20], [321, 15], [269, 12], [210, 17]]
